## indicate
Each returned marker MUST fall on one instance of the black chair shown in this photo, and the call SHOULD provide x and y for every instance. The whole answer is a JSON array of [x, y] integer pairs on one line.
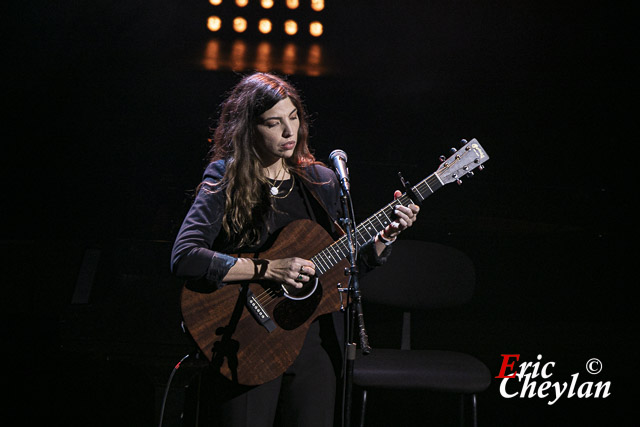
[[421, 276]]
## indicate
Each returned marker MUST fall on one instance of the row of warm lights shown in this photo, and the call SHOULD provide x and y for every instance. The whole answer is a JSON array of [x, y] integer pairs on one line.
[[214, 23], [265, 57], [316, 5]]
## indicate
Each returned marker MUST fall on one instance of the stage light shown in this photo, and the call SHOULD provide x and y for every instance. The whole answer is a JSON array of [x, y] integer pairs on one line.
[[263, 57], [238, 55], [290, 58], [211, 60], [290, 27], [292, 16], [317, 5], [314, 60], [240, 24], [241, 56], [315, 29], [264, 26], [214, 23]]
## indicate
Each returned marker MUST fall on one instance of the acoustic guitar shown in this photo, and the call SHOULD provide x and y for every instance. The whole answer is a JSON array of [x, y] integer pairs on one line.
[[253, 331]]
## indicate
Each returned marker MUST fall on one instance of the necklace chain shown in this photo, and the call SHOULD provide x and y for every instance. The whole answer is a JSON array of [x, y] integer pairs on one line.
[[275, 195], [275, 189]]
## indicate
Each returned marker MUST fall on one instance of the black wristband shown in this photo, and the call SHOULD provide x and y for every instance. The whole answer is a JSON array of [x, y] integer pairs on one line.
[[386, 242]]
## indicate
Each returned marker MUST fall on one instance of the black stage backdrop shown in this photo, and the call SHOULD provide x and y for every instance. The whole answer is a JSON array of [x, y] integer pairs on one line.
[[105, 123]]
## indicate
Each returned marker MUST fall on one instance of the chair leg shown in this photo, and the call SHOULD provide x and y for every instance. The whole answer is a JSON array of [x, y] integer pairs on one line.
[[468, 410], [364, 407]]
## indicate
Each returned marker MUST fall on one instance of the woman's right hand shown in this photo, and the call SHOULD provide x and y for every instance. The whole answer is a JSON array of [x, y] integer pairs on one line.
[[290, 271]]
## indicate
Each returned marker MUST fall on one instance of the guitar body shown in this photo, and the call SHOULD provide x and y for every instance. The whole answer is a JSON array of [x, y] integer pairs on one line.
[[237, 344]]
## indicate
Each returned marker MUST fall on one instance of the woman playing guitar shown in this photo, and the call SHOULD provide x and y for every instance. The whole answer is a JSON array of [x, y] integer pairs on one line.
[[262, 177]]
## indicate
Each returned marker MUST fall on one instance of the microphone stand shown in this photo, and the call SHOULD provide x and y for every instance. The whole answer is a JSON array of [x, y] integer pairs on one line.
[[354, 308]]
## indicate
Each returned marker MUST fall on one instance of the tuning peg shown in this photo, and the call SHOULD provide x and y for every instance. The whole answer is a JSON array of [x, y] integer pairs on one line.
[[463, 142], [459, 181], [453, 150], [470, 173], [442, 158], [481, 167]]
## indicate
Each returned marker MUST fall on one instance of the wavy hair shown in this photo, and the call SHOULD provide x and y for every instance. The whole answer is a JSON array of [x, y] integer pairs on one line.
[[234, 139]]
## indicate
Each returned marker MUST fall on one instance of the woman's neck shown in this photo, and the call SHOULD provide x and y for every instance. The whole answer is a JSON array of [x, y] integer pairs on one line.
[[277, 170]]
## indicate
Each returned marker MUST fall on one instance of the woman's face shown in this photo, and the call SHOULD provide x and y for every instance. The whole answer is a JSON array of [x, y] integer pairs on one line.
[[278, 132]]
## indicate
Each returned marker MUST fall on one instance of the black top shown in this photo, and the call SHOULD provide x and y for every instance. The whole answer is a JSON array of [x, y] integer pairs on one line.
[[289, 208], [201, 249]]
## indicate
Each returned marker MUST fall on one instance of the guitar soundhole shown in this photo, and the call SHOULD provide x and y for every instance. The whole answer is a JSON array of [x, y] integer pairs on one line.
[[290, 314], [301, 293]]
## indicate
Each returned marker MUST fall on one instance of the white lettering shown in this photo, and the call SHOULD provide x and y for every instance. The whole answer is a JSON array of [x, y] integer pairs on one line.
[[553, 391], [543, 387], [599, 387], [574, 379], [536, 366], [503, 389], [523, 369], [544, 369], [585, 393], [559, 392], [531, 387]]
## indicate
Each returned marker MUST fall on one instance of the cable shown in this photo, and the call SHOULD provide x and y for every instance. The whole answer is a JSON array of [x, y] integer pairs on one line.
[[166, 391]]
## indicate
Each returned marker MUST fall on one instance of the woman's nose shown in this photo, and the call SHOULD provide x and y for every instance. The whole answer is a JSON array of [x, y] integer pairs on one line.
[[288, 129]]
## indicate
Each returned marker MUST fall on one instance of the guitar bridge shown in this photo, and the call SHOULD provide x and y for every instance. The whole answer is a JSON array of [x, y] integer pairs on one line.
[[259, 313]]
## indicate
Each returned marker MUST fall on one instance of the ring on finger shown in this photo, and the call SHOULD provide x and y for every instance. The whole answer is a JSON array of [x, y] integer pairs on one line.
[[299, 278]]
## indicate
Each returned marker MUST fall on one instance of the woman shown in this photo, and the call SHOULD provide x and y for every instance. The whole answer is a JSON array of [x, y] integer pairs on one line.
[[261, 177]]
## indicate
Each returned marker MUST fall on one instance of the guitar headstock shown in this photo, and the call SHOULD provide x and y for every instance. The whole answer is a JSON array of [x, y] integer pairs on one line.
[[462, 162]]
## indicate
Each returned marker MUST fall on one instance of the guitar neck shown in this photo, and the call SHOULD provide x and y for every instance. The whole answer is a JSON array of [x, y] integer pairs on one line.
[[339, 250]]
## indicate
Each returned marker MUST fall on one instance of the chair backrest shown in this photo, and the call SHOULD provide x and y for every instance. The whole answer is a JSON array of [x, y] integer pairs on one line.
[[421, 275]]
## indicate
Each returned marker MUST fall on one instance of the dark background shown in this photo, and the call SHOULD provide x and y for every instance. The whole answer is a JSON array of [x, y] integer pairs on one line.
[[106, 114]]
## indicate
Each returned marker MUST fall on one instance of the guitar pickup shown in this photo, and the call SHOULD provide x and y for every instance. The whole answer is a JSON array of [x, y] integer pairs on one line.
[[259, 313]]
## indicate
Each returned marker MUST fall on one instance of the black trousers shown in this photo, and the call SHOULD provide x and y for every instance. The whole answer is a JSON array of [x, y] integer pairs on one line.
[[304, 396]]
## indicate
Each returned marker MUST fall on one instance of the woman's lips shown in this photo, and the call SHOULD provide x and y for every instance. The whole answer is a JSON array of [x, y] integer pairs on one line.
[[289, 145]]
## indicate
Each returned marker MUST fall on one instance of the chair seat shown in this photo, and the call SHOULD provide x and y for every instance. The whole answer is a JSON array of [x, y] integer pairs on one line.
[[421, 369]]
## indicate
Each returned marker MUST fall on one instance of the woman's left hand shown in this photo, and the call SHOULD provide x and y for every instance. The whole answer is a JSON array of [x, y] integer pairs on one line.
[[405, 217]]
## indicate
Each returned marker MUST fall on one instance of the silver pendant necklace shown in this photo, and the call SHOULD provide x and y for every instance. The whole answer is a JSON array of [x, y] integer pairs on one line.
[[293, 182], [275, 189]]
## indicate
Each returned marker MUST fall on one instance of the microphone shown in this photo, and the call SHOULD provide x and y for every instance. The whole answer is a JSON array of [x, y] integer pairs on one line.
[[339, 160]]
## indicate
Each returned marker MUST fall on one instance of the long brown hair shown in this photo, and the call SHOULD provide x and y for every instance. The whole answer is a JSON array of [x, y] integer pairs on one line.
[[234, 140]]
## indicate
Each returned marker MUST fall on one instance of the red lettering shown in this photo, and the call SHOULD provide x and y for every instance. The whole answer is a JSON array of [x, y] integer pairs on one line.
[[506, 364]]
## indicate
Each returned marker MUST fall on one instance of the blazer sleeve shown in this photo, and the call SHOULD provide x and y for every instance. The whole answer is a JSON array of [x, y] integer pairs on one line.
[[192, 257]]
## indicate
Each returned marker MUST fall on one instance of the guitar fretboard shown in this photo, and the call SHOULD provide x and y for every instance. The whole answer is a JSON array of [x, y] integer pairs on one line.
[[339, 250]]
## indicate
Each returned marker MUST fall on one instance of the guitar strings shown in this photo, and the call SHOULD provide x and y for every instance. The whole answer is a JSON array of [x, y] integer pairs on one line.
[[269, 295], [265, 296], [325, 260]]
